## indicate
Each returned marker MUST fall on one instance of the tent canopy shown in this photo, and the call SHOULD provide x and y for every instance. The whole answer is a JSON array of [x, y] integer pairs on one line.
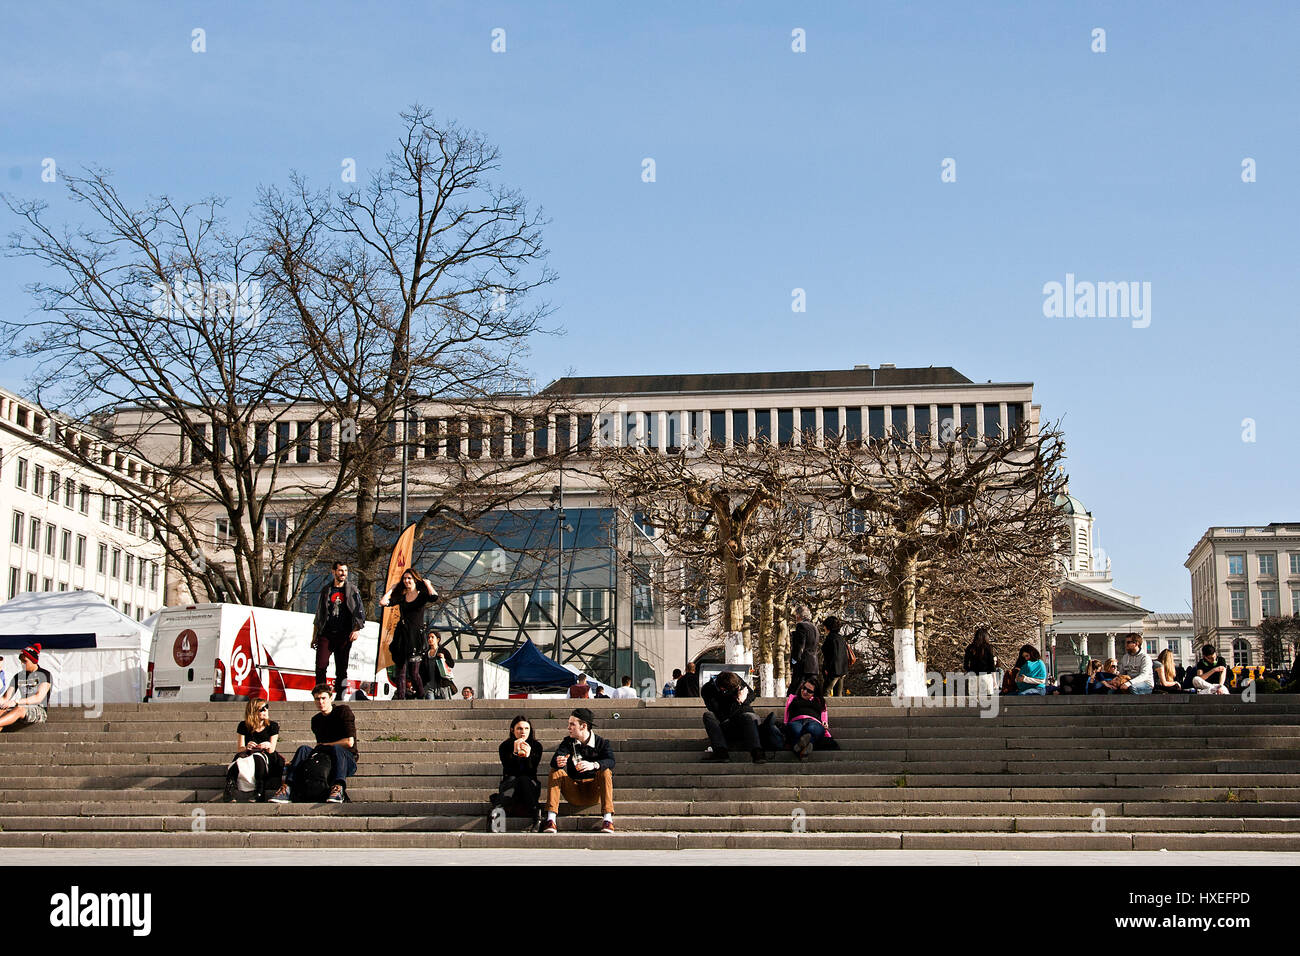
[[529, 667], [67, 620]]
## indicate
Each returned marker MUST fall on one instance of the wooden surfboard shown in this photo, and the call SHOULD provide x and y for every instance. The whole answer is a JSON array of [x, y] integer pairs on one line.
[[397, 564]]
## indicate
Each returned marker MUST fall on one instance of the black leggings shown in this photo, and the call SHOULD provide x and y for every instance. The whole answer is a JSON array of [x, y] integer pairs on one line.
[[520, 794], [410, 669]]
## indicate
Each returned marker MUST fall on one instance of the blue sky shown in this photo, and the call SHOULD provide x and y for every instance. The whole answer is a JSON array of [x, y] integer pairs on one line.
[[778, 170]]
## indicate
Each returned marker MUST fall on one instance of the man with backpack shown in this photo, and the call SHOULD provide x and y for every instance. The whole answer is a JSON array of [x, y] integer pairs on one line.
[[730, 719], [321, 772]]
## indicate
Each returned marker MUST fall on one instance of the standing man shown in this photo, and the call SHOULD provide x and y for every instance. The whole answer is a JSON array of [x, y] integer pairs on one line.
[[340, 616], [25, 699], [688, 685], [582, 772], [805, 648]]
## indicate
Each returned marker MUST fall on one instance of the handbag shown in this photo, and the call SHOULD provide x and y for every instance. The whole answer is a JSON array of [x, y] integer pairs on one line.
[[247, 780], [444, 672]]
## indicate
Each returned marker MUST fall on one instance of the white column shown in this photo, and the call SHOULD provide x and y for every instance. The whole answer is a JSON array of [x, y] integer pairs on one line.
[[821, 434], [661, 444], [796, 439], [979, 424], [1110, 643]]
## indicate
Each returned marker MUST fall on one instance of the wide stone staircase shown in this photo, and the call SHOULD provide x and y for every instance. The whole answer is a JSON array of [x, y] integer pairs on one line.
[[1066, 773]]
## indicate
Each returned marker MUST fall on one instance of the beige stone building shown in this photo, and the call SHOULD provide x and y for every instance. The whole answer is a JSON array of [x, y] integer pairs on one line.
[[1241, 575]]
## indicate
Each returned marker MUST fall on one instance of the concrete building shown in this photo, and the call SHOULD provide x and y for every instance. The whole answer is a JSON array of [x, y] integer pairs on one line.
[[1241, 575], [69, 527]]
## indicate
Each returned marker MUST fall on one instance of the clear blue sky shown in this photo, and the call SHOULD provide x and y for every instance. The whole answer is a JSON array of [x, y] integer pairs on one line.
[[778, 170]]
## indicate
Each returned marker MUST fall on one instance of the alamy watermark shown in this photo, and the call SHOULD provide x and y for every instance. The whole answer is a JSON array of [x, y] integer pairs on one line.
[[1098, 300], [189, 298], [952, 690]]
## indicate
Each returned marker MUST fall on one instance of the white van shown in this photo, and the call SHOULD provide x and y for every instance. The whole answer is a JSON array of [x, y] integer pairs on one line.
[[205, 649]]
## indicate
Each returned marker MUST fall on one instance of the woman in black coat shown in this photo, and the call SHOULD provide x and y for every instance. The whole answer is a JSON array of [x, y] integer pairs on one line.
[[410, 594], [519, 791], [835, 657]]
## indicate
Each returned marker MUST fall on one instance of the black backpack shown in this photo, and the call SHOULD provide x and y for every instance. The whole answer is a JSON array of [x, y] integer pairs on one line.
[[311, 780]]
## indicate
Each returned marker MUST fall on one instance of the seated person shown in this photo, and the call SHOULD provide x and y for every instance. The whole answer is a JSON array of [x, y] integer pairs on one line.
[[335, 730], [580, 690], [1136, 675], [1106, 672], [582, 772], [256, 737], [25, 698], [729, 718], [1166, 674], [670, 686], [1210, 672], [520, 754], [467, 693], [1031, 672], [805, 718], [627, 691]]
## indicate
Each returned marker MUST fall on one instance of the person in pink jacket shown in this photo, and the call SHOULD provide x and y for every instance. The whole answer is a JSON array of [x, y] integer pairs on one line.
[[805, 717]]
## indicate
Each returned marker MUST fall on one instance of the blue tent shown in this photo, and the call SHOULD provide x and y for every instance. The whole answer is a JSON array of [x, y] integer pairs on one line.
[[529, 667]]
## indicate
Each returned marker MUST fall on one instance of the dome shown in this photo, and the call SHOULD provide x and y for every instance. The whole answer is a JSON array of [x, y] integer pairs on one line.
[[1070, 505]]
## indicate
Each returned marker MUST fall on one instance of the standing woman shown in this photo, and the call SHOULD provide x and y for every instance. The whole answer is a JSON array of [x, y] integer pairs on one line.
[[256, 736], [410, 595], [981, 661], [835, 656], [519, 791]]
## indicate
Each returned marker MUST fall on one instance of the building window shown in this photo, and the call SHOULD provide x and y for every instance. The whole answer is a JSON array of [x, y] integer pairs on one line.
[[63, 586], [48, 584], [139, 612], [1268, 602], [1015, 414], [1241, 652], [34, 534], [19, 517], [303, 451], [55, 484], [785, 427], [219, 441], [130, 566], [81, 550], [277, 530], [808, 425], [1267, 565], [1237, 601], [763, 426], [153, 576], [126, 609], [261, 442], [282, 442], [1172, 646], [84, 503], [222, 531], [921, 423], [324, 441], [20, 475], [117, 563], [831, 426], [49, 540], [876, 423], [1236, 564], [102, 563], [31, 581], [118, 511], [103, 508], [130, 519], [65, 546], [139, 578], [38, 481], [1153, 647], [69, 492], [1295, 601], [643, 608], [969, 425], [992, 423], [717, 429], [740, 428], [539, 608], [13, 581]]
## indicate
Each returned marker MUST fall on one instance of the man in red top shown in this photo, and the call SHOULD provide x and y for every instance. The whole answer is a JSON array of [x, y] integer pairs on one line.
[[580, 690], [340, 616]]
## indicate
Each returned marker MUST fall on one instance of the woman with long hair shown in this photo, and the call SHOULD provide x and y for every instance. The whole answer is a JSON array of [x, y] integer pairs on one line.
[[519, 790], [407, 648], [835, 656], [980, 660], [805, 717], [256, 736], [1166, 674], [1031, 672]]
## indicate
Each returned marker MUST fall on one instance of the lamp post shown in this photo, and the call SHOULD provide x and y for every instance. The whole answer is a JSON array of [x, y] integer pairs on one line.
[[557, 505]]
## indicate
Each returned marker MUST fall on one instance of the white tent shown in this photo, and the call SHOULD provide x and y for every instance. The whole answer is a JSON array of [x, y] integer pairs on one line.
[[95, 654]]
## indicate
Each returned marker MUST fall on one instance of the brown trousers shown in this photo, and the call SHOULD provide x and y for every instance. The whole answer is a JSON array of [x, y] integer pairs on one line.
[[581, 793]]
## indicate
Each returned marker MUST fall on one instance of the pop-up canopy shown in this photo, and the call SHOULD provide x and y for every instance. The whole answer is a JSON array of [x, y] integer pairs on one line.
[[95, 654], [529, 667]]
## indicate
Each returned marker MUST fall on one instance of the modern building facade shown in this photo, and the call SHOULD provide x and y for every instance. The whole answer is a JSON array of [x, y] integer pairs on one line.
[[69, 526], [1241, 575]]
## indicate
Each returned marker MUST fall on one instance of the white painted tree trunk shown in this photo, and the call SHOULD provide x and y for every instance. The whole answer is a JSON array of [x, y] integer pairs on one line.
[[767, 683], [733, 649], [909, 676]]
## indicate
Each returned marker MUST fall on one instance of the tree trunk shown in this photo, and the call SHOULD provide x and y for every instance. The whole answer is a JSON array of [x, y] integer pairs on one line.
[[909, 674]]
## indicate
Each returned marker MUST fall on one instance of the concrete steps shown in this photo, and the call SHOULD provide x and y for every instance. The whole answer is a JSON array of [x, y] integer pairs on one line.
[[1183, 773]]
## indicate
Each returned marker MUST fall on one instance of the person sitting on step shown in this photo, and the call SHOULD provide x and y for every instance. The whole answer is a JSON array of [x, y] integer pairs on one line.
[[335, 730], [520, 754], [582, 772], [1106, 672], [805, 718], [1136, 675], [24, 701], [730, 719], [1031, 672], [256, 738], [1211, 672], [1167, 674]]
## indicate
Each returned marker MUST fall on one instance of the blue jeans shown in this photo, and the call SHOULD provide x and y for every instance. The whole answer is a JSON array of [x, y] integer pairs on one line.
[[345, 765], [1040, 689], [806, 725]]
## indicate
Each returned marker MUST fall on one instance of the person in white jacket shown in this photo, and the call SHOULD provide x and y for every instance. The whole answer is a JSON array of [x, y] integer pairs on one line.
[[627, 691], [1135, 665]]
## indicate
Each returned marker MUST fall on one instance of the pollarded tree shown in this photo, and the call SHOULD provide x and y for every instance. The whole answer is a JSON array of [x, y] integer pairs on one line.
[[950, 514]]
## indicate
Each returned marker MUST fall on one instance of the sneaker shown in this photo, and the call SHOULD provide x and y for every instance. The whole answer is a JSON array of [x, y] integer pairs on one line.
[[548, 827], [606, 826], [228, 795], [281, 795], [804, 747], [717, 756], [336, 794]]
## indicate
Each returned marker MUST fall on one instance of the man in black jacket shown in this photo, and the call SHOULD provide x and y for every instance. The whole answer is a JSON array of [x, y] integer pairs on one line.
[[730, 718], [805, 648], [688, 685], [340, 616], [582, 772]]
